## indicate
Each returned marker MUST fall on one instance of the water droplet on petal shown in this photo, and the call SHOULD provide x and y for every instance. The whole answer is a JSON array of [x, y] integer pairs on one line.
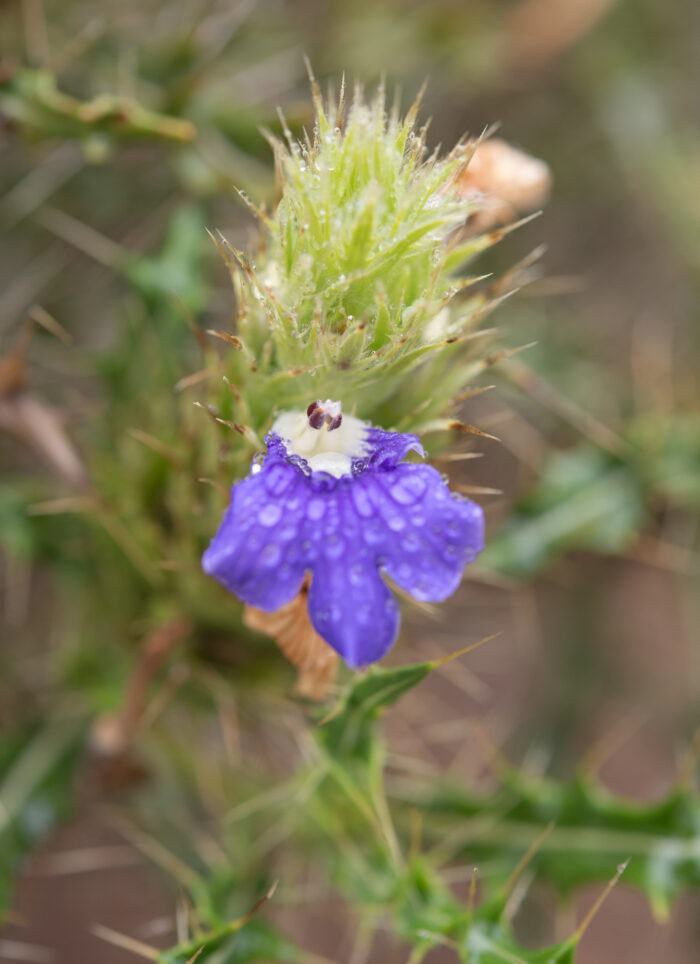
[[356, 574], [278, 479], [270, 514], [270, 555], [373, 533], [397, 523], [315, 509], [334, 546], [408, 489], [361, 501]]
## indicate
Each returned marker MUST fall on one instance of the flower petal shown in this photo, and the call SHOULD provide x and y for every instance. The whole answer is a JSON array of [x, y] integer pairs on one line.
[[387, 449], [258, 551], [285, 520], [429, 534], [353, 610]]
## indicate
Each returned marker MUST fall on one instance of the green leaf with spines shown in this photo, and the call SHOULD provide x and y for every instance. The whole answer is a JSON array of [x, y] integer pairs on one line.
[[348, 733], [254, 942], [593, 832]]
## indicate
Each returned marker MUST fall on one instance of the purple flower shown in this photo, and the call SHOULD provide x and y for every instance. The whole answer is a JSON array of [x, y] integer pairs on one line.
[[360, 515]]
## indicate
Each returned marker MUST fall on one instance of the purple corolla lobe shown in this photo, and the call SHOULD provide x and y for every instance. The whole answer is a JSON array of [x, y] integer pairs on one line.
[[381, 515]]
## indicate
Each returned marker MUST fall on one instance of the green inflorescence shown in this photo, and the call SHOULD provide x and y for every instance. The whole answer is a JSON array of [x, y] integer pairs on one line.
[[354, 293]]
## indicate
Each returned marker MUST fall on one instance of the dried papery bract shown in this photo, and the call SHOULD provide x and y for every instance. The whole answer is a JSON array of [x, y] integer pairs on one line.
[[507, 183], [291, 629]]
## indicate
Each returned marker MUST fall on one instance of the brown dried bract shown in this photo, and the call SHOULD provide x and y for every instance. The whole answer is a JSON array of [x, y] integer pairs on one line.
[[505, 181], [291, 629]]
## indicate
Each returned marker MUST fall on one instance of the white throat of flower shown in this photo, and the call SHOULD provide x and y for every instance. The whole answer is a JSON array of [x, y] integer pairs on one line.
[[322, 435]]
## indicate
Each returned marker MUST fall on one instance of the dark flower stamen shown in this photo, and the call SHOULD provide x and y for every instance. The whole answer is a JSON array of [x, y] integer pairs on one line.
[[326, 413]]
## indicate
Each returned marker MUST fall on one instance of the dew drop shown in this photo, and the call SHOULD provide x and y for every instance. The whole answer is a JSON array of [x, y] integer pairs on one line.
[[356, 574], [408, 489], [373, 533], [270, 555], [270, 514], [334, 546], [277, 479], [361, 500], [315, 509]]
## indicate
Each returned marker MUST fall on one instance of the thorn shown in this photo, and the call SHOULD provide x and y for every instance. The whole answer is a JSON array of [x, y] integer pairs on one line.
[[502, 355], [457, 426], [189, 319], [224, 336], [689, 762], [201, 376], [208, 411], [75, 503], [125, 942], [526, 858], [155, 443], [256, 906], [470, 393], [416, 833], [493, 237], [477, 490], [585, 923], [458, 456], [461, 652], [315, 89], [610, 742], [235, 426], [472, 895], [259, 212], [41, 317], [232, 388], [589, 426]]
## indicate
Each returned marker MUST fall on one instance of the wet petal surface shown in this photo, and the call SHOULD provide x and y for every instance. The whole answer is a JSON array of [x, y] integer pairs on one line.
[[385, 517]]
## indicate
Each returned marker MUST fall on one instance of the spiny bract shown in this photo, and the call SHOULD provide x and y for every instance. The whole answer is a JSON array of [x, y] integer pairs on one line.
[[353, 289]]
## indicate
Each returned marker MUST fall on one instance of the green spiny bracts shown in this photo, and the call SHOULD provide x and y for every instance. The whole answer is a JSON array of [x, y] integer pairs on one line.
[[353, 294]]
